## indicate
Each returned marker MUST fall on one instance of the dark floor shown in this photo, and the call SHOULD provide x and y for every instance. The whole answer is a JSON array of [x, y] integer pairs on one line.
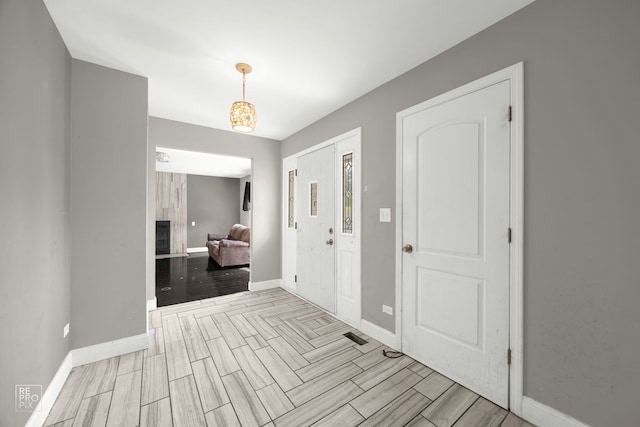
[[196, 277]]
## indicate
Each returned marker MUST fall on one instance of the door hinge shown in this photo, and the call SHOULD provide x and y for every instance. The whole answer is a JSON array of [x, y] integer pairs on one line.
[[508, 356], [296, 170], [295, 278], [295, 225], [510, 113], [509, 234]]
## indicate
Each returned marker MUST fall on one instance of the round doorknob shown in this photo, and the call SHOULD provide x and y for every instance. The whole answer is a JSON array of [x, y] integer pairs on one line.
[[330, 242], [407, 248]]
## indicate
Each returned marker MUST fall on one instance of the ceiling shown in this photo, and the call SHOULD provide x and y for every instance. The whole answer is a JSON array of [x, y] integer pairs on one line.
[[308, 58], [194, 163]]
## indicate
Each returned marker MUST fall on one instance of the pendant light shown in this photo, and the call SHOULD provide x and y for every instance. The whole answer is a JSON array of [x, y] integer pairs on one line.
[[243, 114]]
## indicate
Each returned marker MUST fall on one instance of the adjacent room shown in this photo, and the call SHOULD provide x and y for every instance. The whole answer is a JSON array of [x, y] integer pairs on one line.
[[428, 213], [203, 225]]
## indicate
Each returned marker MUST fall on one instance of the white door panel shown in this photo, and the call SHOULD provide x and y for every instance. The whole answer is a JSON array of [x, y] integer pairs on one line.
[[455, 284], [348, 229], [316, 222]]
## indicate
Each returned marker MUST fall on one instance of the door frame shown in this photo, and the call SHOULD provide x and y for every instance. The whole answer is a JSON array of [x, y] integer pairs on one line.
[[290, 162], [515, 75]]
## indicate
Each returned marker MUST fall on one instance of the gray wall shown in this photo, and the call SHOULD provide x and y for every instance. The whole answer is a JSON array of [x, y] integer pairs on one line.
[[109, 204], [582, 202], [266, 231], [211, 203], [245, 216], [35, 82]]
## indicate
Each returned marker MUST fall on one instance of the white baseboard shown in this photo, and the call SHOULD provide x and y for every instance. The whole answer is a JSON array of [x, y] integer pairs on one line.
[[39, 416], [543, 415], [82, 356], [194, 250], [152, 304], [105, 350], [376, 332], [267, 284]]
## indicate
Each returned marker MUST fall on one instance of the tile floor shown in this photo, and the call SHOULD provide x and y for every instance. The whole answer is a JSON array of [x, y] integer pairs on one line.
[[264, 358]]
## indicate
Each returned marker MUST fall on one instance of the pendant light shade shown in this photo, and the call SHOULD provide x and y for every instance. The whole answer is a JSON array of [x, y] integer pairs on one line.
[[243, 114]]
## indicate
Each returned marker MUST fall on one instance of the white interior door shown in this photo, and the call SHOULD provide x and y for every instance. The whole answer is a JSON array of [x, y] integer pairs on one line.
[[316, 228], [455, 201]]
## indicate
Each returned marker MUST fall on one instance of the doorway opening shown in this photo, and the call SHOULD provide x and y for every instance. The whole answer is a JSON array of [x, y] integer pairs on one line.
[[205, 199]]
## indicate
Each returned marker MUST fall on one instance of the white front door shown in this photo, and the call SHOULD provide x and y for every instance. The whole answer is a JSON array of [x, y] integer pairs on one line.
[[455, 204], [316, 228]]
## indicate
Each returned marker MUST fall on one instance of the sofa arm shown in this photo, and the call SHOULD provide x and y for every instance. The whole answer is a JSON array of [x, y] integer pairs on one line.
[[233, 243], [213, 236]]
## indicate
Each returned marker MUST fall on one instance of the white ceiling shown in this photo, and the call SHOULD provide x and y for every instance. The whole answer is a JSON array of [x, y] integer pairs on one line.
[[194, 163], [308, 58]]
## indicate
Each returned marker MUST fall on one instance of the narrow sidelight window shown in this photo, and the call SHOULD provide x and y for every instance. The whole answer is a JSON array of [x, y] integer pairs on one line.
[[347, 193], [291, 198]]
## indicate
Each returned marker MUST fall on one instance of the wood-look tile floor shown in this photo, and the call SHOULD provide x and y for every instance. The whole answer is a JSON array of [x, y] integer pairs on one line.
[[264, 358]]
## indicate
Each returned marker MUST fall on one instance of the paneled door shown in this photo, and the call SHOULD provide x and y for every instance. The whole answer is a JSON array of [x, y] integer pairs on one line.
[[316, 227], [455, 231]]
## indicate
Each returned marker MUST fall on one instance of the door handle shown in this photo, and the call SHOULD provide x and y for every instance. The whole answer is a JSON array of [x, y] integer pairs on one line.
[[330, 242], [407, 248]]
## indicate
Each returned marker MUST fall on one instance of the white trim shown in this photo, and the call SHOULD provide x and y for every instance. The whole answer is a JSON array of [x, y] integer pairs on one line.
[[514, 74], [152, 304], [516, 267], [82, 356], [106, 350], [377, 333], [39, 416], [543, 415], [195, 250], [267, 284], [292, 159]]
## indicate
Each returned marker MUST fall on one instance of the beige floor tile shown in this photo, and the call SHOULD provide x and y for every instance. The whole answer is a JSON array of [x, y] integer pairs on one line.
[[93, 411], [223, 416], [434, 385], [385, 392], [245, 401], [320, 407], [210, 387], [156, 414], [185, 403], [248, 359], [447, 408], [288, 353], [125, 401], [483, 413], [196, 346], [400, 411], [254, 370], [274, 400], [310, 389], [155, 379], [222, 356], [178, 363], [343, 417], [130, 362]]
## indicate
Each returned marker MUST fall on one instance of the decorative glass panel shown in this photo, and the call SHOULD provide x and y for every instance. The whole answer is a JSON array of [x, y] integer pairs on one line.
[[314, 199], [347, 193], [291, 199]]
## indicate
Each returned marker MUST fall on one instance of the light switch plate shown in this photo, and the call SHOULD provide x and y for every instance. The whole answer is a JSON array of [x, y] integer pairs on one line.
[[385, 214], [65, 331], [387, 309]]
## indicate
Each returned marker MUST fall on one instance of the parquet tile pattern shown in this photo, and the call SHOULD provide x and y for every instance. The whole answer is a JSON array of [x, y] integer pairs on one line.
[[264, 358]]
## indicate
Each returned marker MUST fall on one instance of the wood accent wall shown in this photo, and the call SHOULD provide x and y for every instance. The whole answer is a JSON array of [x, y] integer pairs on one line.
[[171, 204]]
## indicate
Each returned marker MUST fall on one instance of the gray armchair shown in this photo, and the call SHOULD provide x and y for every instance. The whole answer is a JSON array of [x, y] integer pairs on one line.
[[231, 249]]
